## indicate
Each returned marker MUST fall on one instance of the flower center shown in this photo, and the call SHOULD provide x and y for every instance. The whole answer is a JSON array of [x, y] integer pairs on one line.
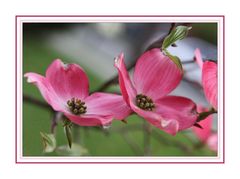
[[144, 102], [76, 106]]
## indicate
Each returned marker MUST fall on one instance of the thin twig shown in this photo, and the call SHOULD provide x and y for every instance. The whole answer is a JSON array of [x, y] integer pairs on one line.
[[173, 25], [56, 118], [37, 102], [188, 62]]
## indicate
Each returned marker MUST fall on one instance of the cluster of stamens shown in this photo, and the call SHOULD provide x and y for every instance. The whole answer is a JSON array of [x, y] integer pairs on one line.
[[144, 102], [76, 106]]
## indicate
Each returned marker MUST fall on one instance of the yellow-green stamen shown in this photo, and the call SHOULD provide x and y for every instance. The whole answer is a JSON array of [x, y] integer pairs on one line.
[[144, 102], [76, 106]]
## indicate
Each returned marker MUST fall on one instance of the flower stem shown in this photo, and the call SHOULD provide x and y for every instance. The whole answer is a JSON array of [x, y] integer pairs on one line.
[[67, 124], [204, 115]]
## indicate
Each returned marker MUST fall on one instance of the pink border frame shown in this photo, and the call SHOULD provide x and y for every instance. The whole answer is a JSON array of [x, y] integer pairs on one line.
[[16, 100]]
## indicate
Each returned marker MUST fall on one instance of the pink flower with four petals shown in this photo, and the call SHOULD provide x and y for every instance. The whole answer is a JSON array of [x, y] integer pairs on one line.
[[209, 79], [66, 89], [155, 76]]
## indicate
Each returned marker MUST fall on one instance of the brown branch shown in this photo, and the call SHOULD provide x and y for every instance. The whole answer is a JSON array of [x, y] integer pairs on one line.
[[29, 99], [173, 25], [188, 62]]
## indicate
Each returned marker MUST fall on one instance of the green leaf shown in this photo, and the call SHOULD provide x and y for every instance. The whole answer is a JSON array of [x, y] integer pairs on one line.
[[76, 150], [175, 59], [179, 33], [49, 142], [204, 115]]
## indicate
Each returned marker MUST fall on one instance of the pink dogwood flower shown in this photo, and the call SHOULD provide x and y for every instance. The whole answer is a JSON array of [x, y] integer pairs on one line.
[[206, 135], [155, 76], [209, 79], [66, 89]]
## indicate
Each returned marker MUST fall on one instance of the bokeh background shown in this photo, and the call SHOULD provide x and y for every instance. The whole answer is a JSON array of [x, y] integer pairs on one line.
[[94, 46]]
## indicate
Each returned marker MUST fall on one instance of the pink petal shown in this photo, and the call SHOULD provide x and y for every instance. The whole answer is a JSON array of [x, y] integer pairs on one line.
[[126, 86], [180, 109], [210, 84], [169, 126], [46, 90], [209, 78], [203, 134], [107, 104], [212, 142], [198, 58], [68, 80], [156, 75], [89, 120]]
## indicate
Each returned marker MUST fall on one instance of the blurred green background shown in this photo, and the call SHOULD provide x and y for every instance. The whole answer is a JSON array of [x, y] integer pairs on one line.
[[119, 140]]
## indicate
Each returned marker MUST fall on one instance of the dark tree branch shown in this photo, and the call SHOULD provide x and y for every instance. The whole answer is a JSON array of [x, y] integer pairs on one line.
[[37, 102], [188, 62], [173, 25]]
